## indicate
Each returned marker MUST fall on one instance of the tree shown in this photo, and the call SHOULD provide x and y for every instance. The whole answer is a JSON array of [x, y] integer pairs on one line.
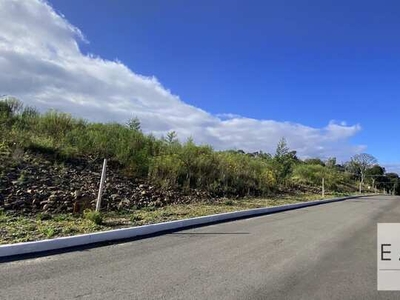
[[331, 162], [282, 149], [375, 170], [360, 163], [284, 160], [314, 161], [375, 174], [171, 138], [134, 124]]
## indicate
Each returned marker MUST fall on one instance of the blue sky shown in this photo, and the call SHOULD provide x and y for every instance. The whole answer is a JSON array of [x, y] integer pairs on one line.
[[299, 61], [303, 62]]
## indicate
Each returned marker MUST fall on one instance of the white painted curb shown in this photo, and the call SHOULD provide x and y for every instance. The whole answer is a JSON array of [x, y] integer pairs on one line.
[[124, 233]]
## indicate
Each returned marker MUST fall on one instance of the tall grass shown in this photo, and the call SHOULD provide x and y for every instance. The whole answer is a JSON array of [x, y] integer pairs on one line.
[[166, 161]]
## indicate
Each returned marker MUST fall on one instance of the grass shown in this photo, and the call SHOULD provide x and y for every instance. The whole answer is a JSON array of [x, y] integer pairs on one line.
[[94, 216], [14, 229]]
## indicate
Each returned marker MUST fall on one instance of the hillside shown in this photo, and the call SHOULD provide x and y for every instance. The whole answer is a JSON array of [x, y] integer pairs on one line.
[[52, 162]]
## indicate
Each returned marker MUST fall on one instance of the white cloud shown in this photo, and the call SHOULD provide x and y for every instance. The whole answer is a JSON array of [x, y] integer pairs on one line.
[[41, 63]]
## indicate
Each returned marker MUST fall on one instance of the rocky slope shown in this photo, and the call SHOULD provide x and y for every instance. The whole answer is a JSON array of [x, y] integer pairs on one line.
[[36, 183]]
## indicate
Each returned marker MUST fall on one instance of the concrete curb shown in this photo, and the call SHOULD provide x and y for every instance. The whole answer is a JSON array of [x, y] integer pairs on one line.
[[125, 233]]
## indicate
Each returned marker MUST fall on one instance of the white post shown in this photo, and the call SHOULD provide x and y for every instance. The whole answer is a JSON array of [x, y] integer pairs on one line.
[[102, 181], [323, 187]]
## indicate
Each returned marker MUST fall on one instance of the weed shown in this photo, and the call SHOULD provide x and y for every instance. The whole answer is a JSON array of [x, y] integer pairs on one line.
[[22, 177], [3, 216], [228, 202], [70, 230], [62, 217], [49, 232], [149, 208], [136, 218], [43, 216], [93, 216]]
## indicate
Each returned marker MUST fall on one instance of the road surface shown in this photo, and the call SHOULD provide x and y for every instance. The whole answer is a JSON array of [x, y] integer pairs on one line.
[[321, 252]]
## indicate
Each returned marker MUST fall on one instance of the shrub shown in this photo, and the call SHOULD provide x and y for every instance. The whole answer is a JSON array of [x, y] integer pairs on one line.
[[49, 232], [165, 161], [94, 216]]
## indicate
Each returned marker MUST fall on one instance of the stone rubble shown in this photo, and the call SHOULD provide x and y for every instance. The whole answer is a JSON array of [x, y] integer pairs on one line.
[[36, 183]]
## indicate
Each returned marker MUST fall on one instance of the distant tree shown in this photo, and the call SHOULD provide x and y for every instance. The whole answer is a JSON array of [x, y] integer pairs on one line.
[[390, 182], [284, 160], [134, 124], [374, 174], [282, 149], [340, 168], [375, 170], [314, 161], [360, 163], [171, 137], [262, 155], [331, 162]]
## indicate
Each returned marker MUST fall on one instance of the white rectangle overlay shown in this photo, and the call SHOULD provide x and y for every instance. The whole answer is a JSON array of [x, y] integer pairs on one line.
[[388, 256]]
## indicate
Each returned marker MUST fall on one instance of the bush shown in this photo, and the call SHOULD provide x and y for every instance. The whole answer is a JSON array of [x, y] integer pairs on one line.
[[312, 174], [165, 161], [94, 216]]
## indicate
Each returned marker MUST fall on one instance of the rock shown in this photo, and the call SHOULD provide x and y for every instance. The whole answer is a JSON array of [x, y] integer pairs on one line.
[[57, 189], [19, 203], [77, 194], [114, 197], [53, 198], [123, 204]]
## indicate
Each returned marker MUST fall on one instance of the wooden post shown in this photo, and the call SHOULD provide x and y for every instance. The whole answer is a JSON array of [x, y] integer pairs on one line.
[[102, 181], [373, 185], [323, 187]]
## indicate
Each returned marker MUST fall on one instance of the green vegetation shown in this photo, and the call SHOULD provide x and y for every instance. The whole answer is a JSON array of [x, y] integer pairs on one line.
[[93, 216], [241, 180], [167, 162], [17, 228]]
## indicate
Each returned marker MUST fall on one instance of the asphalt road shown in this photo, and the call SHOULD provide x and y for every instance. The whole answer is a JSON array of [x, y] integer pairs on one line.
[[320, 252]]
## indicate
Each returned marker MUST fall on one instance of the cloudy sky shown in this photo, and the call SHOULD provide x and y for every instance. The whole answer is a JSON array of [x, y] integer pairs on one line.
[[48, 61]]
